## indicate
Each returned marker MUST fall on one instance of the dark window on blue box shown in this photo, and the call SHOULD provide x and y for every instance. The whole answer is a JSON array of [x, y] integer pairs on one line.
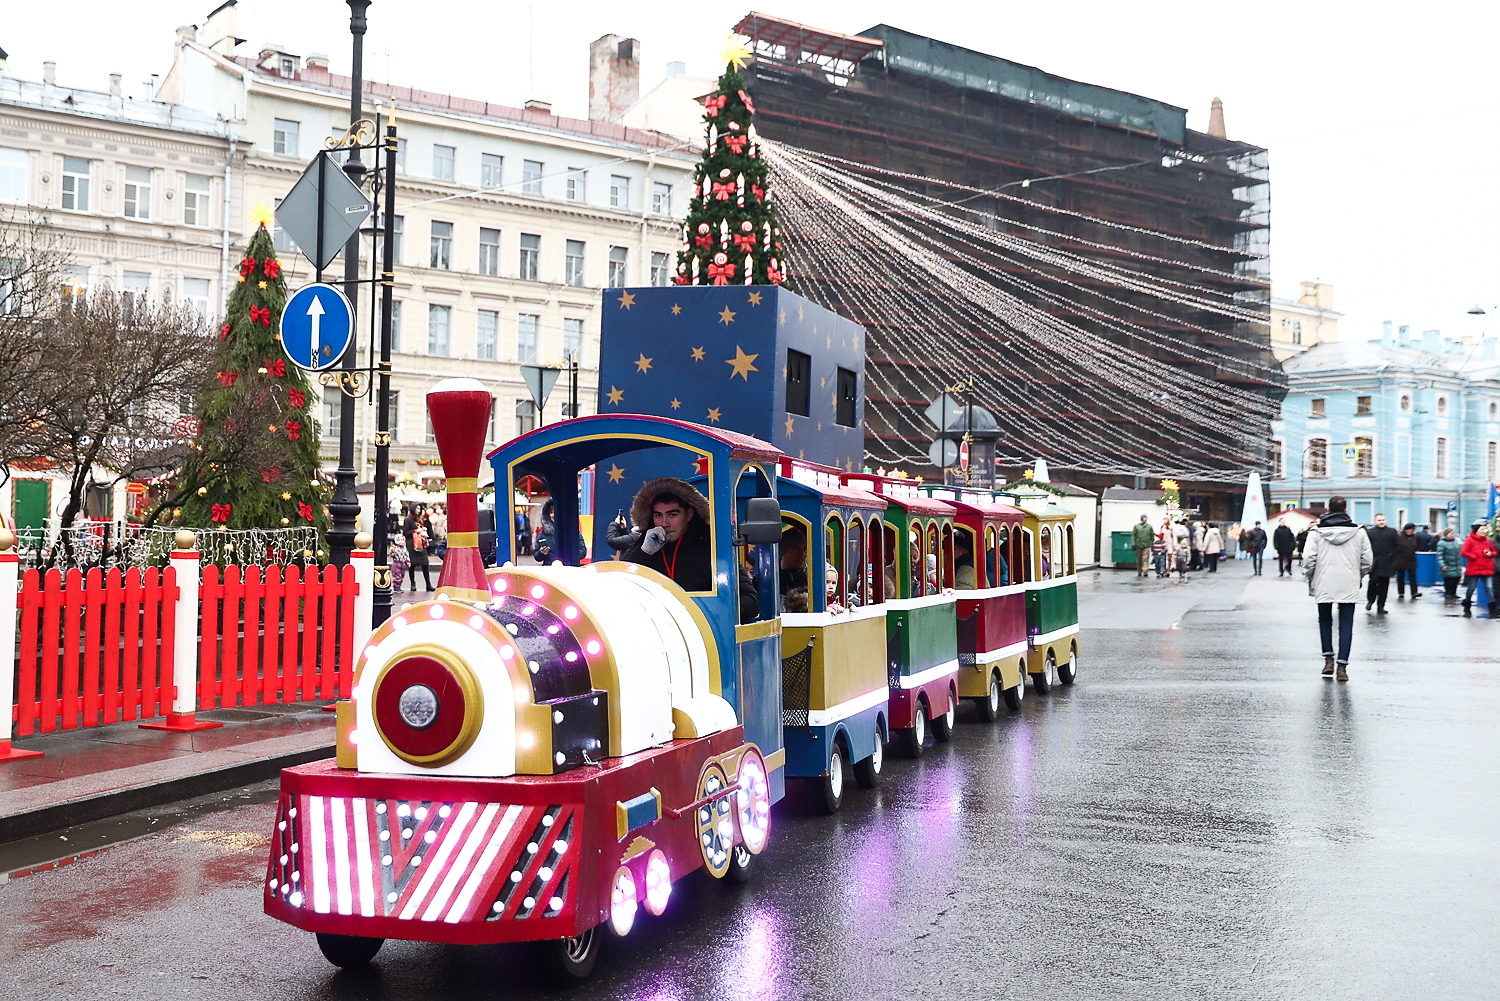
[[848, 396], [798, 382]]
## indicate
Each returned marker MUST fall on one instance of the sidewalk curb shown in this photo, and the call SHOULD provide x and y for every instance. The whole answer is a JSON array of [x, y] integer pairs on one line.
[[86, 809]]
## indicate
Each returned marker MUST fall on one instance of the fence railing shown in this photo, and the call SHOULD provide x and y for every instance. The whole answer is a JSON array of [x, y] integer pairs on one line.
[[102, 543], [105, 646]]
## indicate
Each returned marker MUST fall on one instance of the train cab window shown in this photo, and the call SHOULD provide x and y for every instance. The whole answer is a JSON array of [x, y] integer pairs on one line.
[[934, 560], [889, 551], [833, 573], [918, 561], [875, 536], [946, 559], [966, 561], [1046, 551], [1068, 537], [855, 564], [1026, 571]]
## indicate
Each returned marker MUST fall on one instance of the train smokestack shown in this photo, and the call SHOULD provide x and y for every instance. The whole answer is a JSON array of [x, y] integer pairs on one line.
[[460, 411]]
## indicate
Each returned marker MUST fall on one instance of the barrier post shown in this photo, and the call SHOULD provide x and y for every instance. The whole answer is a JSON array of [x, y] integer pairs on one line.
[[10, 583], [185, 655], [363, 561]]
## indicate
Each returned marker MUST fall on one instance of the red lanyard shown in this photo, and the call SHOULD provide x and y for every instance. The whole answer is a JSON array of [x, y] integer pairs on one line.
[[672, 566]]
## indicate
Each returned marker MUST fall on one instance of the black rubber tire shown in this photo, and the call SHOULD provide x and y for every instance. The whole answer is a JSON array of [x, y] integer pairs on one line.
[[1041, 682], [741, 866], [1068, 673], [570, 961], [914, 736], [832, 784], [1016, 695], [348, 952], [989, 706], [867, 770], [942, 726]]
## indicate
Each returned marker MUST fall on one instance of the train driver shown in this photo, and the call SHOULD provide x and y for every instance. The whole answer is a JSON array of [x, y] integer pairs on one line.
[[672, 518]]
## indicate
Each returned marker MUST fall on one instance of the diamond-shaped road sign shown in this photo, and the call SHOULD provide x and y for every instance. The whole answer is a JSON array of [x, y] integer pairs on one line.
[[540, 381], [344, 208], [945, 405]]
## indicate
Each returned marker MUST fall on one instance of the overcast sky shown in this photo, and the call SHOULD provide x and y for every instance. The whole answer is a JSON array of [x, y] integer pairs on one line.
[[1382, 120]]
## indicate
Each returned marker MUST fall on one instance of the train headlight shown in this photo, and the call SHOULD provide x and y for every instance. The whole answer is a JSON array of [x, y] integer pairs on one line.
[[418, 706], [428, 705]]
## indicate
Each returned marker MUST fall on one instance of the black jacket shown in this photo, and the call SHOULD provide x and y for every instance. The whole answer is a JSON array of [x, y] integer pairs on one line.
[[1284, 540], [1426, 541], [1255, 540], [1385, 543], [1406, 558], [690, 558], [619, 537]]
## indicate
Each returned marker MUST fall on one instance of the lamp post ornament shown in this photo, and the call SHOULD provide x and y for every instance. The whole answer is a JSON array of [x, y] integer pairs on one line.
[[731, 236]]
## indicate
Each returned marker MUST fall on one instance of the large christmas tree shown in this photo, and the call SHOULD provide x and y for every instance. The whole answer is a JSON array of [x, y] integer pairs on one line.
[[731, 236], [256, 459]]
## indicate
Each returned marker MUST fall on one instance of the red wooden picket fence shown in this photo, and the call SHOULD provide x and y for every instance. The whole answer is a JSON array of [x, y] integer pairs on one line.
[[94, 648], [275, 635]]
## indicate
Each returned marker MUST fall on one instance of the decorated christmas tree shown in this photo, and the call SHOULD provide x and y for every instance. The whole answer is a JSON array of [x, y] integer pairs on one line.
[[255, 462], [731, 236]]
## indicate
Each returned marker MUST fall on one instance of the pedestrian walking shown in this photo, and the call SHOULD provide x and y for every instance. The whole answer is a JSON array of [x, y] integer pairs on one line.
[[1385, 542], [1255, 544], [1184, 558], [400, 559], [1213, 548], [1141, 539], [1450, 563], [1285, 543], [1160, 548], [1406, 561], [1195, 543], [1479, 564], [1302, 542], [414, 533], [1337, 556]]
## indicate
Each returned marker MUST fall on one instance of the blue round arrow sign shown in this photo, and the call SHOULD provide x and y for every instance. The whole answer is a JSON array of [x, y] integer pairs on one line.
[[317, 327]]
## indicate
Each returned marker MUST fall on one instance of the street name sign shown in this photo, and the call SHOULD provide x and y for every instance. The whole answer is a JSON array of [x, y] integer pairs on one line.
[[323, 187], [317, 327]]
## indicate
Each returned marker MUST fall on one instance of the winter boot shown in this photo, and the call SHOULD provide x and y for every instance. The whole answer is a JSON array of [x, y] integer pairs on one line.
[[1328, 665], [1468, 612], [1343, 674]]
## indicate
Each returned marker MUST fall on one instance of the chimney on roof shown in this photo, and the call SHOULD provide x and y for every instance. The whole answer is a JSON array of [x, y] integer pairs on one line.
[[543, 107], [114, 85], [49, 73], [316, 61], [1216, 120], [614, 76], [187, 33], [676, 69], [218, 30]]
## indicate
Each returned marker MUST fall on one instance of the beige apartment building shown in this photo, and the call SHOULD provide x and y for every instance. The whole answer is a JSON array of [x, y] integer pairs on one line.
[[1298, 324]]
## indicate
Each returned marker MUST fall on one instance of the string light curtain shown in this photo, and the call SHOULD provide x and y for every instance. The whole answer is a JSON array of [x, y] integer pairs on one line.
[[1074, 356]]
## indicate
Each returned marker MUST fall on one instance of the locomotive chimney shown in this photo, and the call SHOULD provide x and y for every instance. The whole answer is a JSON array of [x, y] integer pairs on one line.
[[460, 411]]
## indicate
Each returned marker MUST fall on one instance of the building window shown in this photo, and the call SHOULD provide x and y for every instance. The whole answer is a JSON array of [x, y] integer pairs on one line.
[[577, 185], [1364, 463], [618, 258], [491, 170], [531, 251], [1440, 458], [526, 329], [1405, 404], [438, 318], [661, 198], [137, 192], [15, 179], [1278, 459], [428, 435], [1318, 409], [395, 326], [1362, 406], [661, 268], [441, 256], [284, 137], [848, 398], [798, 382], [568, 409], [442, 162], [1489, 461], [1296, 331], [531, 177], [195, 292], [279, 237], [572, 339], [401, 156], [573, 263], [1494, 410], [333, 408], [1317, 458], [525, 416], [1442, 406], [486, 335], [75, 184], [619, 192], [489, 252], [394, 415], [398, 226], [196, 206]]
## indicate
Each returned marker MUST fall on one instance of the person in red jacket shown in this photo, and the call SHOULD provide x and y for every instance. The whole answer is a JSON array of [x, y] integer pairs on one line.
[[1479, 563]]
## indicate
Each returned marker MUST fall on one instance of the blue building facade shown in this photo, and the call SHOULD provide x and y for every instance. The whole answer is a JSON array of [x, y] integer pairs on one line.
[[1408, 427]]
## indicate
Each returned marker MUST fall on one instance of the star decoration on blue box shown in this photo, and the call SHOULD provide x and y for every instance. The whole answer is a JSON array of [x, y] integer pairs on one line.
[[742, 363], [698, 354], [615, 395], [616, 474], [627, 300], [726, 317], [643, 364]]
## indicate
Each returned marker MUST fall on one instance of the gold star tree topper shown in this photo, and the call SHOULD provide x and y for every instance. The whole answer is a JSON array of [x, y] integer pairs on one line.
[[263, 215], [734, 53]]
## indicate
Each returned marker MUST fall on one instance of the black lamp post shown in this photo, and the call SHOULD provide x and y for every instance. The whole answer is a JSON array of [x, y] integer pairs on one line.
[[344, 508]]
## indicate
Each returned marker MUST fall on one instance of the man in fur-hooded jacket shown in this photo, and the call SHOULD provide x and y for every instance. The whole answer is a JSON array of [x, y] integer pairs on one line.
[[672, 520]]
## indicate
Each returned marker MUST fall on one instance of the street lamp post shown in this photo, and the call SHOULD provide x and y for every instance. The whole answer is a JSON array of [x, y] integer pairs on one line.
[[344, 508]]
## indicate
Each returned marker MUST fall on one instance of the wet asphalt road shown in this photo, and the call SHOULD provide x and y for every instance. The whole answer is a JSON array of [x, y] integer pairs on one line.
[[1201, 816]]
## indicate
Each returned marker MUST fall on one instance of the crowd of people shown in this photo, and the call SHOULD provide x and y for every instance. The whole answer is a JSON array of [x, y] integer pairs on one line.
[[1338, 556], [1179, 545], [417, 532]]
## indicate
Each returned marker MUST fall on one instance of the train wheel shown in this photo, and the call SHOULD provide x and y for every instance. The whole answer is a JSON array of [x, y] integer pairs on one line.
[[1068, 673], [1015, 696], [832, 784], [1042, 682], [867, 772], [942, 726], [571, 960], [741, 865], [348, 952], [989, 706], [913, 738]]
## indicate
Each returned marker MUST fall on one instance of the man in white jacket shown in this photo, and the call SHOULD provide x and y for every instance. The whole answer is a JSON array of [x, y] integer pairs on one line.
[[1336, 558]]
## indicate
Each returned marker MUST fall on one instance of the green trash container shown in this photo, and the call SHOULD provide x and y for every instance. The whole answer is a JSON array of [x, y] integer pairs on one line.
[[1122, 552]]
